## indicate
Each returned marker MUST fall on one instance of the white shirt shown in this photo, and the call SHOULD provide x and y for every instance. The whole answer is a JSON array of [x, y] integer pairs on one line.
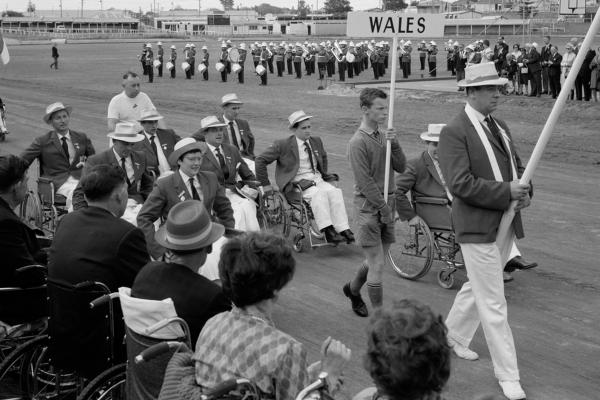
[[304, 169], [213, 150], [236, 130], [163, 164], [70, 146], [126, 109], [186, 181], [128, 165]]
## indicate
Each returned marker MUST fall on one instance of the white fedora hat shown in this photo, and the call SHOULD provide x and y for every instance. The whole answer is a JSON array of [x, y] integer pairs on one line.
[[483, 74], [297, 116], [126, 132], [183, 146], [55, 107], [150, 114], [230, 98], [433, 132]]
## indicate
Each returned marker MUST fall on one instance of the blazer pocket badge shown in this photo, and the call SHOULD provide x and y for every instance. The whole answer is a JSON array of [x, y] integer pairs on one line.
[[181, 195]]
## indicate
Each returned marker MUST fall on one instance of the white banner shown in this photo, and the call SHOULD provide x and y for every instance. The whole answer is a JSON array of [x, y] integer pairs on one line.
[[389, 24]]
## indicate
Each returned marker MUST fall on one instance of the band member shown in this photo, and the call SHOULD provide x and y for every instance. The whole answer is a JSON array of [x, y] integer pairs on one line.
[[264, 56], [460, 63], [160, 57], [383, 55], [271, 50], [322, 60], [405, 60], [289, 55], [173, 60], [142, 58], [187, 55], [422, 49], [298, 61], [242, 60], [432, 58], [330, 60], [256, 54], [350, 65], [374, 216], [228, 47], [279, 60], [192, 59], [341, 60], [386, 51], [205, 57], [449, 47], [307, 60], [374, 58], [149, 60], [224, 59]]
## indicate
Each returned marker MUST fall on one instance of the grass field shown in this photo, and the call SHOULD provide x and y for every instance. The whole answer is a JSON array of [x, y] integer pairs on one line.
[[553, 308]]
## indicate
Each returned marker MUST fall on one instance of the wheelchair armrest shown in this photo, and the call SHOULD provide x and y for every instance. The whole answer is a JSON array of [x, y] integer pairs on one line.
[[37, 267], [158, 349], [331, 178], [432, 200], [251, 183]]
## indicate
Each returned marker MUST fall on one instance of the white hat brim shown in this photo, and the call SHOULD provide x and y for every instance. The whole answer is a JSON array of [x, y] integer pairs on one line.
[[426, 136], [489, 82], [303, 118], [134, 139]]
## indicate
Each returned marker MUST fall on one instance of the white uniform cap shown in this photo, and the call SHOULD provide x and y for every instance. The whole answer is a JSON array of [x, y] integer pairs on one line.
[[264, 44], [432, 43], [173, 47], [408, 43], [351, 44], [192, 45], [204, 48], [243, 46], [228, 41], [148, 45], [534, 44], [223, 44], [271, 44], [159, 44]]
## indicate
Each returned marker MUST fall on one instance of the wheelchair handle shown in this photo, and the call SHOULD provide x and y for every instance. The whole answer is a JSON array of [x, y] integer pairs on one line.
[[31, 267], [320, 383], [103, 299], [156, 350], [223, 388]]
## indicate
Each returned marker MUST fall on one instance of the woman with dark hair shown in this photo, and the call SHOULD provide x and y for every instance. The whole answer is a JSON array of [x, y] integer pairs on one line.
[[408, 355], [244, 343]]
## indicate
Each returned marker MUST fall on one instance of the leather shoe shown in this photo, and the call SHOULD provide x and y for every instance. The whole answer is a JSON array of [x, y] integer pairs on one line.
[[331, 235], [462, 351], [358, 305], [512, 390], [506, 277], [519, 263], [348, 235]]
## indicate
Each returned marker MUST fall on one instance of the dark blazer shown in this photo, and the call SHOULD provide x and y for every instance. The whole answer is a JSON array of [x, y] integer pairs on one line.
[[479, 200], [554, 68], [196, 298], [91, 244], [533, 61], [232, 158], [459, 61], [19, 248], [167, 138], [285, 152], [247, 137], [171, 190], [545, 53], [140, 186], [420, 178], [53, 161]]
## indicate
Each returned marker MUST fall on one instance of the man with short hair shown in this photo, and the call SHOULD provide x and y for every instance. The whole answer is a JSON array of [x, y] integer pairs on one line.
[[61, 152], [374, 215], [532, 59], [127, 106], [158, 143], [545, 54], [239, 133], [481, 167]]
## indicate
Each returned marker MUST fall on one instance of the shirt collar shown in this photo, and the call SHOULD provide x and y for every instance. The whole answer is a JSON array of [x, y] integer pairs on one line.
[[480, 116], [301, 142], [369, 131], [212, 148], [118, 156], [67, 135], [184, 176], [149, 135], [227, 121]]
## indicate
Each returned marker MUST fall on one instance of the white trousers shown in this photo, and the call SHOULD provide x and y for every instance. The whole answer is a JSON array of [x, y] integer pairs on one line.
[[67, 189], [210, 269], [244, 212], [131, 212], [481, 300], [327, 204]]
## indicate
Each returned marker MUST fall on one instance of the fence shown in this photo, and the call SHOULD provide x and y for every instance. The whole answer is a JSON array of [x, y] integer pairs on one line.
[[90, 34]]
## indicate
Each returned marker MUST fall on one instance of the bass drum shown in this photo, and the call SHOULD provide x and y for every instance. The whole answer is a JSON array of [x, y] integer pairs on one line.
[[260, 70], [350, 57], [169, 65], [219, 67], [201, 68], [185, 66], [236, 68]]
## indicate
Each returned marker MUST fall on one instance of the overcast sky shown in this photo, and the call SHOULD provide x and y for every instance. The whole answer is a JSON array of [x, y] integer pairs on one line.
[[21, 5]]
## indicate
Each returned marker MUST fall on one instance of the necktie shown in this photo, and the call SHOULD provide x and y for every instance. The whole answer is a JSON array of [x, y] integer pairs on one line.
[[65, 147], [153, 144], [125, 170], [494, 129], [376, 135], [308, 151], [222, 164], [234, 140], [195, 194]]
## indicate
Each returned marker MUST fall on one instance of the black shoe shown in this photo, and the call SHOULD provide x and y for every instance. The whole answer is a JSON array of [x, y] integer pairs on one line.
[[358, 305], [331, 235], [348, 235], [518, 263]]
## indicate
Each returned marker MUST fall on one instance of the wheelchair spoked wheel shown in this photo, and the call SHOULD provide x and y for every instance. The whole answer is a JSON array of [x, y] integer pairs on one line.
[[412, 254], [273, 216], [109, 385], [10, 371], [32, 212]]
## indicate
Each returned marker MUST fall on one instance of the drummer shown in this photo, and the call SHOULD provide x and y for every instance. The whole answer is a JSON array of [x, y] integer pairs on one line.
[[264, 55], [241, 61], [205, 56], [173, 59], [224, 59], [187, 55]]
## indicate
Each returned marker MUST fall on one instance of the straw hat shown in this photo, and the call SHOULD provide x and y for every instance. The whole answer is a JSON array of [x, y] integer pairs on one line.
[[230, 98], [433, 133], [55, 107], [483, 74], [185, 145], [150, 115], [297, 116], [210, 122], [189, 227], [126, 132]]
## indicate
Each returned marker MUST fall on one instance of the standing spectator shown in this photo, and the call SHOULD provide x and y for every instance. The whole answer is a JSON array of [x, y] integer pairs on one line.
[[524, 70], [535, 70], [582, 84], [54, 56], [500, 53], [511, 69], [545, 58], [595, 76], [566, 65], [555, 60], [517, 56]]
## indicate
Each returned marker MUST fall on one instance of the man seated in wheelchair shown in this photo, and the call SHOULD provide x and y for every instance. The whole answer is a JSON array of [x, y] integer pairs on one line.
[[61, 152], [226, 161], [302, 166], [423, 178]]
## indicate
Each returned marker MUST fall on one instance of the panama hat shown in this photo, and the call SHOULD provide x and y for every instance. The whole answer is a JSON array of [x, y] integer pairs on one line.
[[126, 132], [188, 227], [433, 133], [230, 98], [483, 74], [210, 122], [150, 115], [183, 146], [297, 116], [55, 107]]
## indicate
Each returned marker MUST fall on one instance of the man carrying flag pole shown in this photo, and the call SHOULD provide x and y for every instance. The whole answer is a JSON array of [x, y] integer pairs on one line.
[[4, 56]]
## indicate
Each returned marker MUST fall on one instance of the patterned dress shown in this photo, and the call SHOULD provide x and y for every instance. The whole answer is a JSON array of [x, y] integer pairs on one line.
[[243, 343]]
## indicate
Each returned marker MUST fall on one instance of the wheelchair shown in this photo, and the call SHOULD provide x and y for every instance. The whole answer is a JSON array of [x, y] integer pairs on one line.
[[432, 239]]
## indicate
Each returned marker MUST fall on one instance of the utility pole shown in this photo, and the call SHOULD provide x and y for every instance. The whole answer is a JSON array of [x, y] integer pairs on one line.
[[60, 5], [101, 7], [81, 8], [199, 7]]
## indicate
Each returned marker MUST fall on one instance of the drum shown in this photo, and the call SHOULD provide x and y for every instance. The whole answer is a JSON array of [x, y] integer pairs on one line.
[[185, 66], [157, 63], [260, 70], [219, 67], [201, 68], [350, 57], [236, 68], [234, 55], [169, 65]]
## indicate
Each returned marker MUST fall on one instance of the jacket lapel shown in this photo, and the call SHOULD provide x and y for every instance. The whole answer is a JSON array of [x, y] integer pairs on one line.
[[229, 161], [431, 168], [181, 189], [317, 153], [487, 131], [58, 145]]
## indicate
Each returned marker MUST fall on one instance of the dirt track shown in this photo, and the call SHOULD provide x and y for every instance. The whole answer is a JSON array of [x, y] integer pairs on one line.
[[553, 308]]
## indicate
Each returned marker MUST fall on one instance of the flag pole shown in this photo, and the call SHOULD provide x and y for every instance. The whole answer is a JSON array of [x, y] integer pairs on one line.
[[559, 105], [388, 149]]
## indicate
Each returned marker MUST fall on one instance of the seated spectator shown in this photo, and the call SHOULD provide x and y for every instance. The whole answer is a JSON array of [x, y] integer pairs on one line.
[[158, 143], [188, 236], [133, 163], [61, 152], [94, 243], [17, 240], [244, 342], [408, 355], [301, 159]]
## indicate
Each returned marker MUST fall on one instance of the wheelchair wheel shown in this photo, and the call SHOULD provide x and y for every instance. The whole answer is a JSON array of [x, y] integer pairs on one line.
[[32, 212], [445, 277], [298, 244], [109, 385], [273, 215], [412, 254]]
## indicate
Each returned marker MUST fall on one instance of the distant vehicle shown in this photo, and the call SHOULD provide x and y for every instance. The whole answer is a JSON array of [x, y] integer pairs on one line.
[[60, 28]]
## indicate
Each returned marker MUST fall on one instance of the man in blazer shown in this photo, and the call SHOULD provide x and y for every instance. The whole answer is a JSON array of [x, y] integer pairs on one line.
[[554, 60], [121, 154], [301, 158], [61, 152], [175, 188], [533, 61], [481, 168], [158, 143], [227, 164], [238, 130], [545, 54]]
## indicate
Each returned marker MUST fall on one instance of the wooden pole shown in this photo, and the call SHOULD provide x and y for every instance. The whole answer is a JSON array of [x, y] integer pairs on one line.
[[559, 105], [388, 150]]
